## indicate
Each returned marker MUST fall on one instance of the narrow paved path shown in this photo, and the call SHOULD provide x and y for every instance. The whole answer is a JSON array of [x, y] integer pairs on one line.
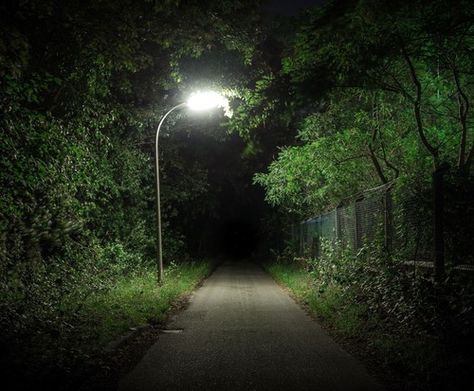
[[242, 332]]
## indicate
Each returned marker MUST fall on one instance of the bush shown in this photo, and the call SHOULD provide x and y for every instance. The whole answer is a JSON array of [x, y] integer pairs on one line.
[[416, 328]]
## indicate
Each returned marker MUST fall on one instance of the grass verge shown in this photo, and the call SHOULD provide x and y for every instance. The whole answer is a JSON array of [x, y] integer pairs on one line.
[[137, 300], [75, 348], [402, 362]]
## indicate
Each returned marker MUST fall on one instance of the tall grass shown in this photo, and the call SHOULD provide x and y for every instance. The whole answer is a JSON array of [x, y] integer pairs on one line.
[[86, 324], [328, 304], [137, 300], [410, 358]]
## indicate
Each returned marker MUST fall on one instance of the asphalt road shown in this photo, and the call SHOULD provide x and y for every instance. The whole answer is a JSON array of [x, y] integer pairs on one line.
[[242, 331]]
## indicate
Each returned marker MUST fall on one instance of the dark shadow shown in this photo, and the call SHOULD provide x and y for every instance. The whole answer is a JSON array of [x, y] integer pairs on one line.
[[237, 238]]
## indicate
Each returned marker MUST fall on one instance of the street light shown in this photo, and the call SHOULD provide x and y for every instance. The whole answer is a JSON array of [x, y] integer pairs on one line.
[[198, 101]]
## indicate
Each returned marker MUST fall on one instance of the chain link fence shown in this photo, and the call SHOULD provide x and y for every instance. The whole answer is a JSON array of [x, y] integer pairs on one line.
[[352, 223], [404, 227]]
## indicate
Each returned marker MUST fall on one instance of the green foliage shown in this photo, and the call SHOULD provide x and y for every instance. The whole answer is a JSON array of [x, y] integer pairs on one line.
[[82, 87], [377, 93], [75, 325], [136, 301], [292, 276], [394, 309], [381, 92], [336, 152]]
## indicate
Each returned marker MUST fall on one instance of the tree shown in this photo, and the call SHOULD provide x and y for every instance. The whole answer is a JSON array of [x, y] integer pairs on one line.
[[358, 141], [82, 87], [419, 57]]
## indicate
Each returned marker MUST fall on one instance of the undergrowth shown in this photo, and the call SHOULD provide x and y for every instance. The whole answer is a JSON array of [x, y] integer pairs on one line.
[[138, 300], [62, 345], [397, 316]]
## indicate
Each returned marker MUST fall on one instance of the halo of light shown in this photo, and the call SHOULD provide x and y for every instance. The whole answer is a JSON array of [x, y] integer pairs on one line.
[[206, 100]]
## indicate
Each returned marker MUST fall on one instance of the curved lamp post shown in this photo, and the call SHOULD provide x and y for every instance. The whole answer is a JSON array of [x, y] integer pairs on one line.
[[198, 101]]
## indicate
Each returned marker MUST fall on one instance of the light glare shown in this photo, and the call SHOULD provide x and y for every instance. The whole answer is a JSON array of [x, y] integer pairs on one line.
[[206, 100]]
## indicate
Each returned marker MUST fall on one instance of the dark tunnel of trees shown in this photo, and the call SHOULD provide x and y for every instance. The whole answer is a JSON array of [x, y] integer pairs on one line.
[[325, 105]]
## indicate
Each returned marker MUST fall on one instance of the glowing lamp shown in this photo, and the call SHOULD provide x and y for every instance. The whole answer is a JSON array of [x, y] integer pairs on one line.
[[206, 100]]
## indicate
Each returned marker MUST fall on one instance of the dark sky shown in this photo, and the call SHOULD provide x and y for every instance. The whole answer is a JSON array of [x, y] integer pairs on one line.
[[290, 7]]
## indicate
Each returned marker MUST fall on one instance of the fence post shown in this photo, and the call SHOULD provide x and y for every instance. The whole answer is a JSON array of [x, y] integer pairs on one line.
[[338, 223], [357, 239], [387, 220], [304, 238], [438, 222], [315, 244]]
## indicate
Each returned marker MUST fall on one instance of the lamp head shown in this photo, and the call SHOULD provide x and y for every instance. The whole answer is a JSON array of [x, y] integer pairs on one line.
[[206, 100]]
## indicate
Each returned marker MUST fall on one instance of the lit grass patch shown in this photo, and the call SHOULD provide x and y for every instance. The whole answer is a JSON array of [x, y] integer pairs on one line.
[[137, 300], [326, 303], [414, 357], [329, 303], [296, 279]]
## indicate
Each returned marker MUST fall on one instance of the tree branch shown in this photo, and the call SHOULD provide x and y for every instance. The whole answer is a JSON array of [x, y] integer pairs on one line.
[[417, 109], [374, 158], [377, 165], [463, 103], [338, 162], [387, 163]]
